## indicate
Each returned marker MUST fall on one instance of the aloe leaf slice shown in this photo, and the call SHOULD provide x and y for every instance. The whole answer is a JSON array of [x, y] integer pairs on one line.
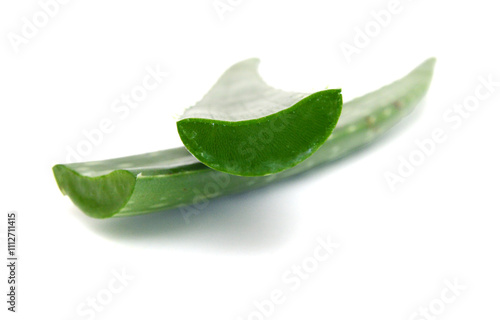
[[244, 127], [174, 178]]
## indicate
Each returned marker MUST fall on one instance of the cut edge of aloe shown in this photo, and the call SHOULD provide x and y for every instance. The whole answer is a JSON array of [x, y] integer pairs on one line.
[[99, 197], [265, 145], [245, 127], [173, 178]]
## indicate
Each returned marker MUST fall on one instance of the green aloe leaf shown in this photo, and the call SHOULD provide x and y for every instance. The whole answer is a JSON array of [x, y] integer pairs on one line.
[[174, 178], [244, 127]]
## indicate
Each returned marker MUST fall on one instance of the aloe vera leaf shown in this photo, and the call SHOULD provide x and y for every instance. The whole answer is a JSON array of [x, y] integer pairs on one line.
[[172, 178], [244, 127]]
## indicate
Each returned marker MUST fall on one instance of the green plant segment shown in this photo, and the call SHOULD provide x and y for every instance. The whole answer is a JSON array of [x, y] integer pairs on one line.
[[172, 178], [244, 127]]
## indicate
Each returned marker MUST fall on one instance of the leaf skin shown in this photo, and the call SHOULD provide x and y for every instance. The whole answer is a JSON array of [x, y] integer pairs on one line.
[[244, 127], [173, 178]]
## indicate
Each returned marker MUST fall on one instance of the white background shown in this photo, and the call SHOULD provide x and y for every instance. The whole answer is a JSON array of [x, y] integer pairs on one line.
[[397, 248]]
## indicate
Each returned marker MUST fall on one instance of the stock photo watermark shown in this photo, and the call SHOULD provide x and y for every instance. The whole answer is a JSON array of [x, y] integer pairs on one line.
[[453, 118], [222, 7], [121, 108], [31, 26], [437, 306], [363, 35], [217, 182], [292, 279], [95, 304], [12, 260], [249, 148]]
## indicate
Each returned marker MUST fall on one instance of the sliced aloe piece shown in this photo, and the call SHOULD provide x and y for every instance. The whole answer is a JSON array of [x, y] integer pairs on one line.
[[172, 178], [244, 127]]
